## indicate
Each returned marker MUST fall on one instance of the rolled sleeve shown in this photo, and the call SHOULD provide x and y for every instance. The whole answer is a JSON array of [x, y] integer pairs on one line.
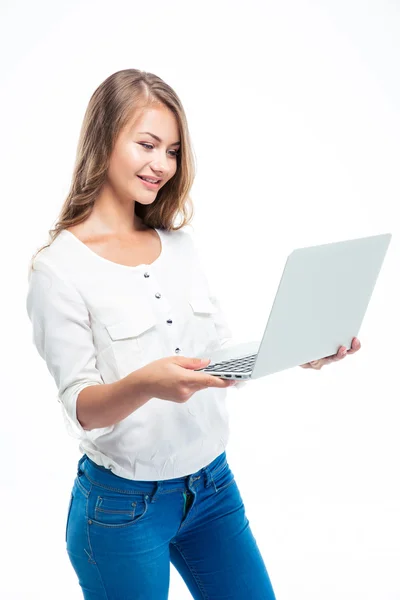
[[63, 338]]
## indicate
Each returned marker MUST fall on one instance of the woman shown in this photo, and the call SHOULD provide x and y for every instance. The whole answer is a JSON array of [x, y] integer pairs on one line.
[[120, 307]]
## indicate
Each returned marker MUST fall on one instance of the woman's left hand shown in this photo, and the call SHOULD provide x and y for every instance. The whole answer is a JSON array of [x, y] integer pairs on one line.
[[342, 352]]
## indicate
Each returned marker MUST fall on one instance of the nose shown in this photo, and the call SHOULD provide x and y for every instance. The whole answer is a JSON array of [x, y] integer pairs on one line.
[[160, 170], [160, 166]]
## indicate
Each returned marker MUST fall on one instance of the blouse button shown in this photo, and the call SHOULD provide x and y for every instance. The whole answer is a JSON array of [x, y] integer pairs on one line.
[[146, 275], [169, 321], [158, 295], [177, 350]]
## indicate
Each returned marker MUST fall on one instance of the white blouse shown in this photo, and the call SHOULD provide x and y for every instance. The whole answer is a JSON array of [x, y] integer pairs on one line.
[[95, 321]]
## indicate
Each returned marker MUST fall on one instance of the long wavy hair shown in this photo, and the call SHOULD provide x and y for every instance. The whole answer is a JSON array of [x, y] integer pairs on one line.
[[124, 94]]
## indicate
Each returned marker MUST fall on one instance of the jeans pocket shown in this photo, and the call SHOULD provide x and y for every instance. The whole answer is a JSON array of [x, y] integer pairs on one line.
[[119, 511], [223, 476], [68, 515]]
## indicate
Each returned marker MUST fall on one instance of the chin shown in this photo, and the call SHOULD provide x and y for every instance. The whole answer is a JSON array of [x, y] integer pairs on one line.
[[145, 202]]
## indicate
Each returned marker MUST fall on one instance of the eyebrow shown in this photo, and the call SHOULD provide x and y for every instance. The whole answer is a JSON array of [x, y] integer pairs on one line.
[[157, 138]]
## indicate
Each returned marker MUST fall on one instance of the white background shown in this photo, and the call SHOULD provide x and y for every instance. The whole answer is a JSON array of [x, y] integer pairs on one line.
[[293, 109]]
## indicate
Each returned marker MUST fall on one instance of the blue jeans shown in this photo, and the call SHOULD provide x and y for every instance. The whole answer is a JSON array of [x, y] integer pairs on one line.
[[122, 534]]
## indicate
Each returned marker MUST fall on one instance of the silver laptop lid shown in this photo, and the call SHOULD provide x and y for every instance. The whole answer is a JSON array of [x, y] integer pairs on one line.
[[321, 301]]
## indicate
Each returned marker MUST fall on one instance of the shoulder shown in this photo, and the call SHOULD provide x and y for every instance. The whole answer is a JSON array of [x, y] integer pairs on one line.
[[181, 239], [53, 258]]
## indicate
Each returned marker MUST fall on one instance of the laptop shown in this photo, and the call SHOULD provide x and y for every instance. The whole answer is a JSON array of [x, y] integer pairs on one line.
[[320, 305]]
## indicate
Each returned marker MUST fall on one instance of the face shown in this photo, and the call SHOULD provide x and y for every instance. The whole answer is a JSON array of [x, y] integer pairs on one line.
[[138, 153]]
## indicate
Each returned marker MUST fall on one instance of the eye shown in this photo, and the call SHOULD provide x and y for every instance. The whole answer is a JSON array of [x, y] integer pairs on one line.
[[150, 147]]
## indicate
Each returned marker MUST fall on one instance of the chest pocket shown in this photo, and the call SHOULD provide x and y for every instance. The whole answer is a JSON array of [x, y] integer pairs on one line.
[[204, 332], [129, 333]]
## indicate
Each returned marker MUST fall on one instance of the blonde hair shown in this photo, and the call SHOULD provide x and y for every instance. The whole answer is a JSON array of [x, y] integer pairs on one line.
[[123, 94]]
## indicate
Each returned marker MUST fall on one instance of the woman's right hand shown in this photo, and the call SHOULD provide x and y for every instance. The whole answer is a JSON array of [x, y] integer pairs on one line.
[[174, 378]]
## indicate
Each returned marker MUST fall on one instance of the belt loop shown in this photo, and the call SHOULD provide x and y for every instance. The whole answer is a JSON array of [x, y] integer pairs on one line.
[[159, 485], [81, 460], [208, 477]]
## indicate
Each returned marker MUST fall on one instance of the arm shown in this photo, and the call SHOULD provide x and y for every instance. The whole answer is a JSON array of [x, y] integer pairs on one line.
[[63, 338], [100, 406]]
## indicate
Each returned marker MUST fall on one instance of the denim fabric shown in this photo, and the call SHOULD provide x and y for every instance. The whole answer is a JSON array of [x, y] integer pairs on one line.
[[122, 534]]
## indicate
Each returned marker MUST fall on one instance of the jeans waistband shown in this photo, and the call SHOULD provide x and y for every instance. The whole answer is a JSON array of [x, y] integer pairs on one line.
[[99, 475]]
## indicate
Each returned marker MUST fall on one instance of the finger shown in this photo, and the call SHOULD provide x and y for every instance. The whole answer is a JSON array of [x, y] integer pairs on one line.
[[341, 353], [316, 364], [308, 366], [355, 346], [215, 381], [333, 358]]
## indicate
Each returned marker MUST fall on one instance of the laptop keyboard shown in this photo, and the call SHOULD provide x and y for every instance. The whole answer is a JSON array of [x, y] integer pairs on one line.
[[236, 365]]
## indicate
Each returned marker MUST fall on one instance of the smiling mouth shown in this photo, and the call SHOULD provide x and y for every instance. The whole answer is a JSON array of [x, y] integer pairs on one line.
[[150, 185], [148, 181]]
